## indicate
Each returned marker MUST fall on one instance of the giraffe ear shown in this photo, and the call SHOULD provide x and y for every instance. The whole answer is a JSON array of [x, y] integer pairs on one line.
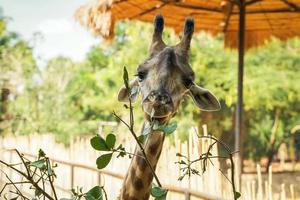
[[204, 99], [123, 95]]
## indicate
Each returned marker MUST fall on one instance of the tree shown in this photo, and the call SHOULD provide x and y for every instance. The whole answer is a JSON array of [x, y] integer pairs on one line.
[[17, 66], [84, 93]]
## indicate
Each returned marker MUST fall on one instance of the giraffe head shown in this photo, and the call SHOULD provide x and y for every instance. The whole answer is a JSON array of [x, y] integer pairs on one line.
[[166, 76]]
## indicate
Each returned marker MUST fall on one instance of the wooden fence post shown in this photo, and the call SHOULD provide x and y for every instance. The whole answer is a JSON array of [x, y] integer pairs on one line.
[[99, 178], [187, 195], [72, 176]]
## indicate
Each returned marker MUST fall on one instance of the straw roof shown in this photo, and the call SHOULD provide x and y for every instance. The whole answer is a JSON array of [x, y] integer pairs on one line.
[[265, 18]]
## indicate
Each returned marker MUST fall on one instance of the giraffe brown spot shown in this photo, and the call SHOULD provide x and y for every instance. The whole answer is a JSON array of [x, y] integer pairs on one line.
[[150, 178], [141, 162], [136, 181], [153, 147]]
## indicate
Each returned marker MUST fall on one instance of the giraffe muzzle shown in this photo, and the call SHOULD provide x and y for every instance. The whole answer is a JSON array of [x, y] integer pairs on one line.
[[158, 104]]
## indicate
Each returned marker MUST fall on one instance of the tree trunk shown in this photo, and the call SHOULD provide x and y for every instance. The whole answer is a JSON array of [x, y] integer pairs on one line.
[[272, 151], [4, 111]]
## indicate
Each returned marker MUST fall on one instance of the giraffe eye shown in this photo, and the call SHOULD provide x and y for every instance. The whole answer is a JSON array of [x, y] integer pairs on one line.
[[187, 82], [141, 76]]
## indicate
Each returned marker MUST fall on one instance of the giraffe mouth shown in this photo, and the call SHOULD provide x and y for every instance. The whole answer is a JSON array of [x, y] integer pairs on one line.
[[158, 110]]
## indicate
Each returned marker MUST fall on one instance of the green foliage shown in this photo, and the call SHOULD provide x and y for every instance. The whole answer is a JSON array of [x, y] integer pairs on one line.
[[237, 195], [103, 160], [38, 164], [67, 98], [110, 140], [158, 193], [37, 174], [94, 194], [166, 128], [97, 58], [99, 144]]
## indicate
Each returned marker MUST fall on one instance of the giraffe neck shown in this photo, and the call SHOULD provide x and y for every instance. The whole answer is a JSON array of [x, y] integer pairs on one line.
[[137, 183]]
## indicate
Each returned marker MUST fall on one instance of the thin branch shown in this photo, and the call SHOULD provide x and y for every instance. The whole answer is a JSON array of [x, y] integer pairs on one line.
[[132, 154], [130, 126], [23, 161], [50, 180], [43, 182], [16, 183], [231, 161], [40, 177], [141, 147], [225, 176], [201, 158], [105, 194], [19, 192], [29, 178]]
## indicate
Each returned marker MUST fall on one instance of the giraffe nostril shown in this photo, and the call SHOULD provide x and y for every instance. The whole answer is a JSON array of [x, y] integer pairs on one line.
[[162, 98], [151, 98], [158, 97]]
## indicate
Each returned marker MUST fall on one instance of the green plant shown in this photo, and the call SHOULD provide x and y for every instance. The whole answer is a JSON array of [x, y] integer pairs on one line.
[[39, 173]]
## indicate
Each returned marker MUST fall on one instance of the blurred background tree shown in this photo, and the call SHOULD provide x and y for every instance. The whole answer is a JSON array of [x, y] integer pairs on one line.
[[69, 98]]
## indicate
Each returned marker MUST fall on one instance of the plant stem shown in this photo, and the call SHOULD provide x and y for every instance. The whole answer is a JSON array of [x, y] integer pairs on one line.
[[231, 161], [132, 154], [29, 178], [50, 180], [141, 147], [23, 161]]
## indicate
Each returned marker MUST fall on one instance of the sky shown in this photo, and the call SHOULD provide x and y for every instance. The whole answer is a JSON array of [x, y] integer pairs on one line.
[[61, 34]]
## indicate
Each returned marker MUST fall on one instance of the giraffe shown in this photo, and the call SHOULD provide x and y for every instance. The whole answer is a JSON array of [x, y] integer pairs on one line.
[[163, 80]]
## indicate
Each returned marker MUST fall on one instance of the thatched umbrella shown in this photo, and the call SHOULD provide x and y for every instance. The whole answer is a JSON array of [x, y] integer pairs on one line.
[[245, 23]]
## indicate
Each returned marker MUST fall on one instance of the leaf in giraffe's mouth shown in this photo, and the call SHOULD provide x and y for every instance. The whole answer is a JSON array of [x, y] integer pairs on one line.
[[166, 128]]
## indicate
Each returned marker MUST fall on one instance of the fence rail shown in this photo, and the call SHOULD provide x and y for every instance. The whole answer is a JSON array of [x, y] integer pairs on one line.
[[188, 193]]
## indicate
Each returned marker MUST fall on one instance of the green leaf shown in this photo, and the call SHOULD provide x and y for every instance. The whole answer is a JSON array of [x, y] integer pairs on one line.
[[180, 155], [166, 128], [103, 160], [237, 195], [125, 79], [37, 192], [142, 138], [99, 144], [41, 153], [159, 193], [182, 162], [49, 168], [110, 140], [94, 194], [122, 152], [38, 164]]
